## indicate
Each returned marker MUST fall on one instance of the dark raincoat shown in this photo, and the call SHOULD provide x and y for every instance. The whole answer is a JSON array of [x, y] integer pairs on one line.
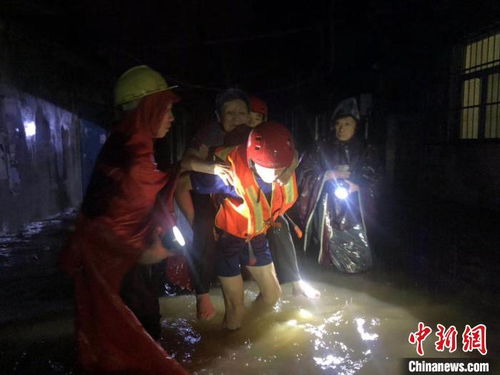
[[338, 225], [120, 214]]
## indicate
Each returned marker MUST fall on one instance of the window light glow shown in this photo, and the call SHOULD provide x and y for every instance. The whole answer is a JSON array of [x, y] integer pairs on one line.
[[30, 128]]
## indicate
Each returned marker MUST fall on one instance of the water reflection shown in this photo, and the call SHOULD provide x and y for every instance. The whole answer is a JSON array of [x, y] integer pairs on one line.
[[347, 331], [362, 332], [357, 327]]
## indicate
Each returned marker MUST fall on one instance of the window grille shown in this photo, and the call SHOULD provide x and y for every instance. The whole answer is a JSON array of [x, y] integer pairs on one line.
[[479, 109]]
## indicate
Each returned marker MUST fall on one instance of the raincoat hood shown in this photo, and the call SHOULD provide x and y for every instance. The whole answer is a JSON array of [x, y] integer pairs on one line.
[[347, 107], [123, 208]]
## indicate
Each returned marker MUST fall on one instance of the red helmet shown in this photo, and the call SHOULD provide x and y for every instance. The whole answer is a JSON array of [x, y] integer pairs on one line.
[[270, 145], [258, 105]]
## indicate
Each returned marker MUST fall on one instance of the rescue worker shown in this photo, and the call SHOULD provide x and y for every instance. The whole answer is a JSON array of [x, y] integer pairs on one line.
[[251, 205], [337, 222], [122, 218], [235, 112], [280, 240]]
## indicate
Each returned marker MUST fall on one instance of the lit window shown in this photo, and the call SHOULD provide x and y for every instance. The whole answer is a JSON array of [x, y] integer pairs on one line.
[[479, 109]]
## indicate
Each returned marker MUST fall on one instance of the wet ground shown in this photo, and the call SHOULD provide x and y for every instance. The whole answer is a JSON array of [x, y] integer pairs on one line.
[[434, 265]]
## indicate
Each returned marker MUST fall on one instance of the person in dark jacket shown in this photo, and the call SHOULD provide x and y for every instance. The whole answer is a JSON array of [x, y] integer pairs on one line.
[[337, 184]]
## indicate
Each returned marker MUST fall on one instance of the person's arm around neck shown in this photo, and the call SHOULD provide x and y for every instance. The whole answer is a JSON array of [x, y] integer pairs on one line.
[[196, 160]]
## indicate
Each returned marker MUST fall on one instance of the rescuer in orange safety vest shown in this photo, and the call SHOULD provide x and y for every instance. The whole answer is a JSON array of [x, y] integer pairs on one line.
[[251, 205], [279, 236]]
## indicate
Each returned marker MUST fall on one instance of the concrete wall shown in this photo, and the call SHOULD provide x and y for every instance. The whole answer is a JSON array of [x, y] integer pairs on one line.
[[40, 173], [46, 88], [466, 173]]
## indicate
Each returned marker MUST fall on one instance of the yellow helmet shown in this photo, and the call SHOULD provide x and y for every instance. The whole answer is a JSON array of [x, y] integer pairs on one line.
[[138, 82]]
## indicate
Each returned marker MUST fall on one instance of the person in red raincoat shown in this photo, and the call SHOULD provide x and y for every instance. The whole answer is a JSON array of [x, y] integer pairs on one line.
[[119, 227]]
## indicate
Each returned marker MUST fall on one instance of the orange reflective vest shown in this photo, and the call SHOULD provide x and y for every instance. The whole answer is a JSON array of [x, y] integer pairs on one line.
[[254, 215]]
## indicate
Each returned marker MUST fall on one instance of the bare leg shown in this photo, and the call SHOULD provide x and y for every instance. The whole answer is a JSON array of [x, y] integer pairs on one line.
[[183, 197], [205, 309], [232, 288], [265, 276], [285, 260]]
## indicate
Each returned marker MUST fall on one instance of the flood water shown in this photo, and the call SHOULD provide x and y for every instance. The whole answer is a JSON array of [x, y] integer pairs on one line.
[[360, 325]]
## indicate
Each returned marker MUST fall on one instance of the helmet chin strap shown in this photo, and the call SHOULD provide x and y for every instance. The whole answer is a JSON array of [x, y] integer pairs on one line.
[[281, 174]]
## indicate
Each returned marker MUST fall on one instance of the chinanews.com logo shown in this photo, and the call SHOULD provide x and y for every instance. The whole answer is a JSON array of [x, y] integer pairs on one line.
[[447, 366], [473, 339]]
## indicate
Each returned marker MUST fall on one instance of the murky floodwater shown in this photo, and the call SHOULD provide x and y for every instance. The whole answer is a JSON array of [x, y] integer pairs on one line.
[[357, 327], [360, 325]]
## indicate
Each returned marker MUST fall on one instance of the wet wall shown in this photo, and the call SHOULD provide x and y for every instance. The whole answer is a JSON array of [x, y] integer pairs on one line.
[[40, 164], [47, 90]]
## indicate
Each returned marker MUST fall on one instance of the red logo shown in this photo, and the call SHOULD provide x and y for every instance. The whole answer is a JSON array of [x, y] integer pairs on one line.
[[419, 337], [447, 338], [472, 338]]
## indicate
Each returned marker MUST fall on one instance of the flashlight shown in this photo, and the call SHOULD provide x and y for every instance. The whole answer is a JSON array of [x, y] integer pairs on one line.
[[341, 192], [178, 237], [173, 239], [341, 189]]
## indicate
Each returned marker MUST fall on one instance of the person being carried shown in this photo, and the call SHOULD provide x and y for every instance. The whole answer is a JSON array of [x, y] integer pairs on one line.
[[232, 111], [251, 205]]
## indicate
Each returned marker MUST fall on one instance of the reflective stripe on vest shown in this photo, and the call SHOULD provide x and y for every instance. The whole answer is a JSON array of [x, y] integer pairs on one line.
[[254, 213], [223, 152], [290, 190], [256, 210]]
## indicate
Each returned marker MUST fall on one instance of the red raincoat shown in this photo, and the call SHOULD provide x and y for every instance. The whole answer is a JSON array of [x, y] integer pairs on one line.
[[117, 223]]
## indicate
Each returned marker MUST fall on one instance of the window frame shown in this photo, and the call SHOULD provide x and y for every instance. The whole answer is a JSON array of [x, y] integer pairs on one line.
[[459, 75]]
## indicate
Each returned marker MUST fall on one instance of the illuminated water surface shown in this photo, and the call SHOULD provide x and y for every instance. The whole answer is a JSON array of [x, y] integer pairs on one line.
[[357, 327]]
